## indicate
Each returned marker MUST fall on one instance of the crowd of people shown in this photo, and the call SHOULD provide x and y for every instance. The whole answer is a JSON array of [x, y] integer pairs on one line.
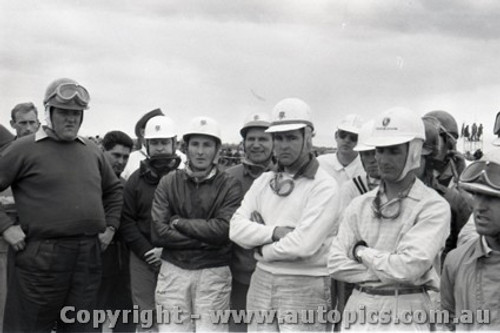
[[394, 222]]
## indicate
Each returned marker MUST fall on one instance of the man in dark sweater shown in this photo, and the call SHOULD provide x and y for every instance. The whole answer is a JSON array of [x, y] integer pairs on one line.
[[7, 201], [258, 146], [114, 290], [68, 201]]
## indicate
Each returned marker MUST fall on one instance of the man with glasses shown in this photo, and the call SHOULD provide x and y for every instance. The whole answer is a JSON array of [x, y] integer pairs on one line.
[[390, 238], [345, 164], [24, 119], [371, 179], [470, 280], [288, 217], [67, 195]]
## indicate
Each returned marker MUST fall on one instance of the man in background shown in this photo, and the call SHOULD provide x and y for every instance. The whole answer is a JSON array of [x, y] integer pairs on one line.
[[24, 119], [345, 164], [141, 153], [7, 201], [258, 147], [114, 291]]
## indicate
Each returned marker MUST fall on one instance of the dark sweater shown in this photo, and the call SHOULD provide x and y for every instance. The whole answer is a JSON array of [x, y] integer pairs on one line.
[[60, 188]]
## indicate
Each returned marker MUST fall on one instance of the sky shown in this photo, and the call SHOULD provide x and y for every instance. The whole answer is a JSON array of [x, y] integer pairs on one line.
[[228, 58]]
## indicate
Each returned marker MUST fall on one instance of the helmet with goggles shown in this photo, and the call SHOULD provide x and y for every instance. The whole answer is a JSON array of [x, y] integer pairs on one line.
[[483, 176], [432, 141], [448, 123], [203, 126], [290, 114], [160, 127], [66, 94], [255, 120], [396, 126]]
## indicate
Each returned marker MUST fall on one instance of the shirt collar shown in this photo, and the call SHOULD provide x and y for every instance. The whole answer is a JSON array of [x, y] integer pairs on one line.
[[43, 133], [485, 248], [337, 166], [255, 170], [415, 192], [310, 169]]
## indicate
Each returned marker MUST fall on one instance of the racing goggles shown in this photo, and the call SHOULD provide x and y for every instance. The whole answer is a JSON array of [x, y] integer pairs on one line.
[[389, 210], [482, 172], [281, 187], [68, 92]]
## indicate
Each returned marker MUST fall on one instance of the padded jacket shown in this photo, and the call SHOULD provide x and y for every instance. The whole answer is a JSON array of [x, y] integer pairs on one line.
[[200, 238]]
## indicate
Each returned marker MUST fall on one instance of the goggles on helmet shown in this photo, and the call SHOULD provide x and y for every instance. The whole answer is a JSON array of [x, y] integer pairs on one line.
[[482, 172], [67, 92]]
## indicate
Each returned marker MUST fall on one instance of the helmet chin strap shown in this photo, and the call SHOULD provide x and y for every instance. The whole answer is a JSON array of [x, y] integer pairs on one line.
[[47, 117], [304, 155], [412, 157]]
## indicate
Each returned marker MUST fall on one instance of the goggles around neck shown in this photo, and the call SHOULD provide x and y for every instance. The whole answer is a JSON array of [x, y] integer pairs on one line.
[[281, 187], [391, 209], [68, 92], [482, 172]]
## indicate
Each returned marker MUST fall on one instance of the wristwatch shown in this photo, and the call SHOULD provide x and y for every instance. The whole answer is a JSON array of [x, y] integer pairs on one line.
[[112, 228], [355, 254]]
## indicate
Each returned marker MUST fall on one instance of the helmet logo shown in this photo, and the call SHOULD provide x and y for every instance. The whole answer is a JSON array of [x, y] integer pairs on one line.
[[256, 117], [281, 115], [203, 122], [386, 121], [157, 128]]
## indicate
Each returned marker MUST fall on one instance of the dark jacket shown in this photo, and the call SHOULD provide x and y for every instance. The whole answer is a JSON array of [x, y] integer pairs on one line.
[[200, 239], [243, 262], [135, 228]]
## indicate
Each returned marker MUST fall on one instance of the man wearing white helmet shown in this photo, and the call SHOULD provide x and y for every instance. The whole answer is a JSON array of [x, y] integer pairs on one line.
[[191, 213], [160, 141], [258, 147], [288, 216], [390, 238], [345, 164], [357, 186], [470, 278], [371, 178], [140, 154], [68, 200]]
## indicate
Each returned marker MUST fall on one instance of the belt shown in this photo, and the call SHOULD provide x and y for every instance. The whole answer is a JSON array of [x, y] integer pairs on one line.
[[390, 292]]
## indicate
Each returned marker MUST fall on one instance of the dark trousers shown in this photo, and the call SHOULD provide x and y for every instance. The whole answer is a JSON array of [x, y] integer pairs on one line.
[[239, 293], [114, 290], [50, 275]]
